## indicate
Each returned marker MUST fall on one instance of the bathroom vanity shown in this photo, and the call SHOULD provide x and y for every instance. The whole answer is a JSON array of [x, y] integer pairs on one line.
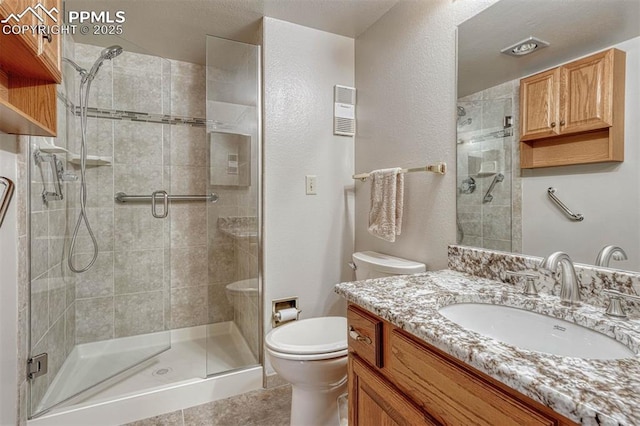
[[408, 364]]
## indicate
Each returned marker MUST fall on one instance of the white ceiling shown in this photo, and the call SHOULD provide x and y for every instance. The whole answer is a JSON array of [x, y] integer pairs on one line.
[[573, 28], [176, 29]]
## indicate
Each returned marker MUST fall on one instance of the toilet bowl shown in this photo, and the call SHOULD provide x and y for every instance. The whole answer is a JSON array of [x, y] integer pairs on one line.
[[311, 354]]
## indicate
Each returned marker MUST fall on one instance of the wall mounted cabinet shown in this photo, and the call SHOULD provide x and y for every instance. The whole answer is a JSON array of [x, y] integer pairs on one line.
[[574, 114], [29, 71], [395, 378]]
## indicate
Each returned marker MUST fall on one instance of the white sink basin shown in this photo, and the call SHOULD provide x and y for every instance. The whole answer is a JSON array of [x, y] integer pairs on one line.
[[535, 332]]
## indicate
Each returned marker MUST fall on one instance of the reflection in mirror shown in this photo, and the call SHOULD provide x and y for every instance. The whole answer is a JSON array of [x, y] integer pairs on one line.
[[230, 155], [518, 214]]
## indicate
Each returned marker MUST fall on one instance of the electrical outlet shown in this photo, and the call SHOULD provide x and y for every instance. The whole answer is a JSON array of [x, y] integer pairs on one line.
[[310, 180]]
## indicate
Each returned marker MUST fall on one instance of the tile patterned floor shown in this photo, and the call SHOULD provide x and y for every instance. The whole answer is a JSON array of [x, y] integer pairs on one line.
[[264, 407]]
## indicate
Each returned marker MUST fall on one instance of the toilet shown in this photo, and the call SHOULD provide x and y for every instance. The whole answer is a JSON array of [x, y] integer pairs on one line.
[[370, 264], [311, 354]]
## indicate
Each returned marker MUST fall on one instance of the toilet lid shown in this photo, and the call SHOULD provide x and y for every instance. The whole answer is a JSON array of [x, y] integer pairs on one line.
[[309, 336]]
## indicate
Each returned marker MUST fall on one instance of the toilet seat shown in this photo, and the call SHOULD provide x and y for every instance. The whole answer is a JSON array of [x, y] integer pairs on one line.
[[309, 339]]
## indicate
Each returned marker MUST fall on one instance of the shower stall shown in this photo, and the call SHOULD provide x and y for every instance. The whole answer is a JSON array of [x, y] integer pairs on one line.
[[145, 233], [486, 165]]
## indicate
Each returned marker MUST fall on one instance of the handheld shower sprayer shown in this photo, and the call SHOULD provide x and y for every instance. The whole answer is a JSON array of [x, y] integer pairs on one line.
[[85, 88]]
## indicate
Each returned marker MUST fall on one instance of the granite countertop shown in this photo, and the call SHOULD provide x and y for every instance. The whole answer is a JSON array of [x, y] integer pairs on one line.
[[587, 391]]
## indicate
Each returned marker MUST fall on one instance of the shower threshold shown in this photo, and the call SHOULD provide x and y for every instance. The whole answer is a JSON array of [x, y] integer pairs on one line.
[[172, 380]]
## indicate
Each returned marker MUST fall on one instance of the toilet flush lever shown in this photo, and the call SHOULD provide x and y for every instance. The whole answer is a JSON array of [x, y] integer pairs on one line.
[[357, 336]]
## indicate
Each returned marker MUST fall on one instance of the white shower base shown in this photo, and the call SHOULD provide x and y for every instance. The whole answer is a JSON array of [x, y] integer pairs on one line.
[[170, 381]]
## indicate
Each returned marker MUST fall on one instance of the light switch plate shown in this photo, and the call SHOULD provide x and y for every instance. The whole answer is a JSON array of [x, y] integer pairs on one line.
[[311, 182]]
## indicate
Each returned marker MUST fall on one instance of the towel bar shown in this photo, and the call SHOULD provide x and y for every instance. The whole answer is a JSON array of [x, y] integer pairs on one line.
[[439, 168]]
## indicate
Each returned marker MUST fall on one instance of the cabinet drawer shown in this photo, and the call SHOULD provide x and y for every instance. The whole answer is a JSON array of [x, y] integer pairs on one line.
[[451, 394], [365, 335]]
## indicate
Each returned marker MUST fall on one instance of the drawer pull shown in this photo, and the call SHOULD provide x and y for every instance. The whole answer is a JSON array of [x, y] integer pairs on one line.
[[355, 335]]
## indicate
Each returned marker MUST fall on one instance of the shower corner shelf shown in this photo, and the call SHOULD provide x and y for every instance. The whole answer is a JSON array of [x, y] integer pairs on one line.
[[92, 160]]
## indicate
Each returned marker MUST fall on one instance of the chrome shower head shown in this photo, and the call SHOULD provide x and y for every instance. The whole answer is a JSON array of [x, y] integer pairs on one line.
[[111, 52], [461, 111], [108, 53]]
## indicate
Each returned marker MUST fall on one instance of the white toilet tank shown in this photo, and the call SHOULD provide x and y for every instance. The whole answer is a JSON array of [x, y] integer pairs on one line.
[[370, 264]]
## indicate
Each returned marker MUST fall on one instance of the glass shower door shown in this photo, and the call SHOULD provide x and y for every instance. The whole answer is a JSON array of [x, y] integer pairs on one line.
[[233, 138], [91, 326]]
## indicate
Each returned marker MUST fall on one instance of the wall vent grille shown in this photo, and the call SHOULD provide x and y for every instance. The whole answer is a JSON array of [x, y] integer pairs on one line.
[[344, 111]]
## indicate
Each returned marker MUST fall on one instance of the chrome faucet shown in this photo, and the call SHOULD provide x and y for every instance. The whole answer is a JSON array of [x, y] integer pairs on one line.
[[570, 290], [608, 252]]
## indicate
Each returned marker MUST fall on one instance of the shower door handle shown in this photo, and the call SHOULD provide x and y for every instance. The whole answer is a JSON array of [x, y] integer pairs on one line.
[[165, 204]]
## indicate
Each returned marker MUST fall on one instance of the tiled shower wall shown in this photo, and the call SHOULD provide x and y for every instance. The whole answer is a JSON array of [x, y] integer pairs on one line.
[[145, 262], [498, 224], [150, 274]]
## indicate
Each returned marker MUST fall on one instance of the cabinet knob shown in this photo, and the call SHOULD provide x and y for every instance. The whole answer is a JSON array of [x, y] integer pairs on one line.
[[553, 124], [562, 123], [47, 36]]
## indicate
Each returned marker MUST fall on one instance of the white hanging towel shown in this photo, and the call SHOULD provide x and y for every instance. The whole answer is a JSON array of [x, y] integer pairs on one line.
[[387, 192]]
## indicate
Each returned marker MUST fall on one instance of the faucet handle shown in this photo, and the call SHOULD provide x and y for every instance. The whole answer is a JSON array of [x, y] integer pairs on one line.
[[530, 288], [615, 308]]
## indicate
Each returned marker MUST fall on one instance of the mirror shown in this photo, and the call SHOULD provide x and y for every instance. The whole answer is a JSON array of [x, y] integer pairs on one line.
[[503, 207]]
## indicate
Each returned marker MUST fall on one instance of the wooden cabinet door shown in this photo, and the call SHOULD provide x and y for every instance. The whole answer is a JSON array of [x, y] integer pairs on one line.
[[539, 103], [50, 44], [586, 97], [375, 402], [16, 7]]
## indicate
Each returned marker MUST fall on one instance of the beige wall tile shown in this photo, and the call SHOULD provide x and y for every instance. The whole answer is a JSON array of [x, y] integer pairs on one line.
[[97, 281], [220, 308], [139, 313], [39, 308], [188, 225], [189, 146], [94, 319], [136, 229], [138, 271], [138, 143], [188, 306], [189, 266]]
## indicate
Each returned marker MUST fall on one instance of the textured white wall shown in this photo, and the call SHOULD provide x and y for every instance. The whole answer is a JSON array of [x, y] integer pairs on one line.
[[606, 194], [8, 289], [406, 81], [308, 239]]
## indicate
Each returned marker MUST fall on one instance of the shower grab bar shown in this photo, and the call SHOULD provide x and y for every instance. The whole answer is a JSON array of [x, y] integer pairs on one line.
[[573, 216], [165, 204], [488, 197], [5, 196], [121, 197]]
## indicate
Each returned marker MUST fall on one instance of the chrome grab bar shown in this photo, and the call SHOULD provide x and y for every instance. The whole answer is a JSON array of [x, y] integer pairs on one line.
[[121, 197], [5, 196], [165, 203], [488, 197], [573, 216]]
